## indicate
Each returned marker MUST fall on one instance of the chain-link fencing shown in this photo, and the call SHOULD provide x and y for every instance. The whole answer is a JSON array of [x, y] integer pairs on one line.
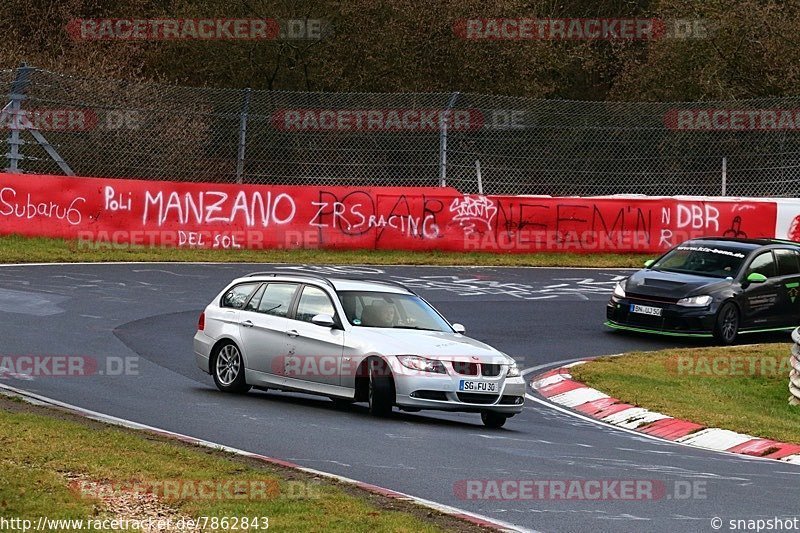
[[476, 143]]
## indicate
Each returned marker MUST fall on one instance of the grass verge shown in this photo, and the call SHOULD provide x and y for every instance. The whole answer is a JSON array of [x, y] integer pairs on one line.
[[45, 451], [740, 388], [18, 249]]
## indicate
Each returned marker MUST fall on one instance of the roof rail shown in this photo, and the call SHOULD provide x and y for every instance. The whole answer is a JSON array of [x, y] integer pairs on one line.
[[294, 274]]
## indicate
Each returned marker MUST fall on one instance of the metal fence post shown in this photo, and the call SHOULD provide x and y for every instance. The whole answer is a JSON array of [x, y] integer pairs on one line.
[[443, 139], [242, 135], [724, 176], [14, 108]]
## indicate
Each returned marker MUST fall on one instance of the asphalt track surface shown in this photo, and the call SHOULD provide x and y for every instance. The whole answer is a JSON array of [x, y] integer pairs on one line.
[[147, 313]]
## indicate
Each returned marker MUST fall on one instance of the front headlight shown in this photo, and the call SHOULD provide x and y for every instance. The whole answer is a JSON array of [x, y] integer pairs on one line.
[[415, 362], [695, 301], [513, 371], [619, 289]]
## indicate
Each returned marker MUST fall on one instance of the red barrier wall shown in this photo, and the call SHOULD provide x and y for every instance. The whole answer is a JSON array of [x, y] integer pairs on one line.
[[249, 216]]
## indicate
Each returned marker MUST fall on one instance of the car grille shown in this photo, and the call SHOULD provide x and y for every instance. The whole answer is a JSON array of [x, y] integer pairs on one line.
[[471, 369], [465, 368], [652, 299], [471, 397], [490, 369]]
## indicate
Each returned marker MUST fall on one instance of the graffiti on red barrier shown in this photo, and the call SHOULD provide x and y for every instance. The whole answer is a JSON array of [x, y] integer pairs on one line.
[[122, 212]]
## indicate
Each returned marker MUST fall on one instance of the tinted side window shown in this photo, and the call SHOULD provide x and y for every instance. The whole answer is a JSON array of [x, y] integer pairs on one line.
[[314, 301], [252, 304], [277, 298], [763, 264], [237, 296], [787, 263]]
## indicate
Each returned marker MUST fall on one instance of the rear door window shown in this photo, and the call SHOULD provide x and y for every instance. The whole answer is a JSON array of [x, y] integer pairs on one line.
[[277, 299], [788, 264]]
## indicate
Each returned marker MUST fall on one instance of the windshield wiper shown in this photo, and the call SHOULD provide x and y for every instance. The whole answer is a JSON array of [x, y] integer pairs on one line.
[[414, 327]]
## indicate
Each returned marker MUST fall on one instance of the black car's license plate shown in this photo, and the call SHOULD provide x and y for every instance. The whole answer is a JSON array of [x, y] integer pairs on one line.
[[646, 310]]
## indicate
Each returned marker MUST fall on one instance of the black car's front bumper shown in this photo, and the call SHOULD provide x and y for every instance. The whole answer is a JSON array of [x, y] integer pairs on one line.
[[674, 320]]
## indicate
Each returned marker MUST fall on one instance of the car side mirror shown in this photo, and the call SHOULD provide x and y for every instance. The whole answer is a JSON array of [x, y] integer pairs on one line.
[[323, 320], [649, 263], [459, 328], [755, 277]]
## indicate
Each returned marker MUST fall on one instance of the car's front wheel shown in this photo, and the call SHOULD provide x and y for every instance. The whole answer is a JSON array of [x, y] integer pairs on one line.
[[227, 367], [493, 420], [381, 388], [726, 327]]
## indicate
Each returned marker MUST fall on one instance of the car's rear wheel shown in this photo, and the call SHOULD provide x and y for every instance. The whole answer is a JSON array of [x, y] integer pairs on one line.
[[381, 388], [227, 367], [493, 420], [726, 326]]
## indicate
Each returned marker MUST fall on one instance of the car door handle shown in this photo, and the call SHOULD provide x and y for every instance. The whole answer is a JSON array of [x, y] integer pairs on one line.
[[247, 324], [292, 333]]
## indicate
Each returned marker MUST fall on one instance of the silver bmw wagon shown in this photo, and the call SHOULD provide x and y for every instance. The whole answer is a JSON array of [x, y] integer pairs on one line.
[[353, 340]]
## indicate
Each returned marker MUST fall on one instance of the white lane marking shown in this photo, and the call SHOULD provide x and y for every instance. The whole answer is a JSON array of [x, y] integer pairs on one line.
[[94, 415], [716, 439], [557, 364]]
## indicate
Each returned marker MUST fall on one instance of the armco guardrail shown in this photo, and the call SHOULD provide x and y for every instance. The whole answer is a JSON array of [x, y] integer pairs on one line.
[[213, 215], [794, 373]]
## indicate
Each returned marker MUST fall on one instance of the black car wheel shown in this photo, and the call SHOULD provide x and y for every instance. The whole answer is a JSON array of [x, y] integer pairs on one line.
[[726, 327], [381, 388], [227, 367], [493, 420]]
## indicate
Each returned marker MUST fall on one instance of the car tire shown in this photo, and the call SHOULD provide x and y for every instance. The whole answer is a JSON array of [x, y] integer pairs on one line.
[[381, 388], [726, 325], [227, 368], [493, 420]]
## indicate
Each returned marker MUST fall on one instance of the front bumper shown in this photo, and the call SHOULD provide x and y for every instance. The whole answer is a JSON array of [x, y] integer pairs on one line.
[[674, 320], [441, 392]]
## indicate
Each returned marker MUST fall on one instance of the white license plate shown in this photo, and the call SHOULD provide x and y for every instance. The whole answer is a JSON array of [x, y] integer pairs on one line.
[[646, 310], [477, 386]]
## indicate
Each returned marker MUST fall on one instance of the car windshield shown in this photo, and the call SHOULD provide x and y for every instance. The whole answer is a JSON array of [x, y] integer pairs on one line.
[[391, 310], [701, 260]]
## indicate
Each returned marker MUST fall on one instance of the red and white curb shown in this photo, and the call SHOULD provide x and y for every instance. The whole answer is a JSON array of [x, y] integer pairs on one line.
[[559, 387], [473, 518]]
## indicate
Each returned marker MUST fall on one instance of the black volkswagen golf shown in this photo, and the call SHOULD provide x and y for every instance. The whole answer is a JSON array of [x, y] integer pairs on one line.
[[712, 287]]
